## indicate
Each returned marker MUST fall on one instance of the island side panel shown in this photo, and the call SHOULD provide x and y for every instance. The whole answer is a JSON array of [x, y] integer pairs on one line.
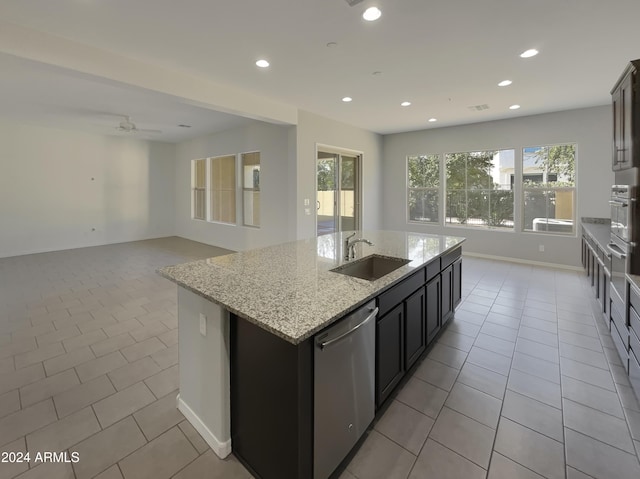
[[271, 402], [204, 397]]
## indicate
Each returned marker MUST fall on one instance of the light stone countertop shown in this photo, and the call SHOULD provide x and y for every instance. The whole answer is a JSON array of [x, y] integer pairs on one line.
[[288, 289], [601, 233]]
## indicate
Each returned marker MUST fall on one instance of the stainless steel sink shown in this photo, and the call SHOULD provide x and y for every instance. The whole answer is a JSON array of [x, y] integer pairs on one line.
[[371, 267]]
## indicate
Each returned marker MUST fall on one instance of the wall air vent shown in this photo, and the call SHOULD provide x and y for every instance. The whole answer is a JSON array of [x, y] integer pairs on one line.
[[353, 2], [479, 107]]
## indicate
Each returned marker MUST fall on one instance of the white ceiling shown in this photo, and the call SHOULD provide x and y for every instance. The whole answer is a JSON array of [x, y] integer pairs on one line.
[[442, 55]]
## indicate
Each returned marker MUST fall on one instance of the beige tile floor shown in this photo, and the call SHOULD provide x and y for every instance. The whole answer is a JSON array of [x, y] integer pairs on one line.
[[524, 383]]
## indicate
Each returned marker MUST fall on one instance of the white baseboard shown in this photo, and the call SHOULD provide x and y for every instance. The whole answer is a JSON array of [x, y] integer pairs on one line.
[[522, 261], [221, 448]]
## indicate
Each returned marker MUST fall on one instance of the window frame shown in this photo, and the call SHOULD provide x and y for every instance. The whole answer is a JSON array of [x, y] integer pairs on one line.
[[438, 189], [211, 189], [512, 229], [244, 189], [574, 188], [194, 188]]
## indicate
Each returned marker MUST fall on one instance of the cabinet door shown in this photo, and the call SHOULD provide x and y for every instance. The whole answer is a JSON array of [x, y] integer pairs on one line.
[[622, 99], [389, 352], [433, 307], [447, 299], [414, 327], [457, 282]]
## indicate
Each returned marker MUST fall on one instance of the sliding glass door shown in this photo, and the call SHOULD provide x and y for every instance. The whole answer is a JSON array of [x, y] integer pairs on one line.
[[338, 192]]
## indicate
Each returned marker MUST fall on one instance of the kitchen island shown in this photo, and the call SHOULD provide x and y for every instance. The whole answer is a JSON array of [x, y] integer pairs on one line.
[[247, 323]]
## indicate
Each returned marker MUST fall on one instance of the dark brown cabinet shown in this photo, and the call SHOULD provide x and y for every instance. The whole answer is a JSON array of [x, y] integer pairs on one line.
[[447, 298], [457, 282], [389, 352], [415, 335], [433, 308], [626, 115]]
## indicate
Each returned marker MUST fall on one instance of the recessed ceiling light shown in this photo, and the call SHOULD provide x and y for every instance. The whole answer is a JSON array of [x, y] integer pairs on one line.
[[505, 83], [405, 103], [431, 120], [347, 99], [371, 14], [375, 74], [184, 126], [332, 44], [529, 53], [514, 107], [262, 63]]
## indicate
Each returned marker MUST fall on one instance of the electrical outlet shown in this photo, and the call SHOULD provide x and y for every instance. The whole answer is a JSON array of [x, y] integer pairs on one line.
[[541, 248], [307, 211], [203, 324]]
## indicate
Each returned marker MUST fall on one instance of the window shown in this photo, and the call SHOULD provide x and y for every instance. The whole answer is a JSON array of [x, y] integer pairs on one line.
[[478, 189], [251, 188], [222, 181], [199, 189], [548, 186], [424, 188]]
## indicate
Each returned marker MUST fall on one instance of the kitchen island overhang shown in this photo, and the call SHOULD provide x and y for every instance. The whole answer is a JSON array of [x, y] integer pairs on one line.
[[287, 290]]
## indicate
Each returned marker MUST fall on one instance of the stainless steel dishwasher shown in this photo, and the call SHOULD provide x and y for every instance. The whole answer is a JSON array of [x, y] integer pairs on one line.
[[344, 382]]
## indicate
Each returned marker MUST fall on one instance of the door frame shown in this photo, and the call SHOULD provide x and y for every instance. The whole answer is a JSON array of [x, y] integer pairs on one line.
[[358, 182]]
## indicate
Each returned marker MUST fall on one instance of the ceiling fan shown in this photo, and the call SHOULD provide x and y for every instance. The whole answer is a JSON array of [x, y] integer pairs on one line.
[[128, 126]]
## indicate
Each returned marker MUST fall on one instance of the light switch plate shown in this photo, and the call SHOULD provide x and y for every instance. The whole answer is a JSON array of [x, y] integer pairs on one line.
[[306, 201], [203, 324]]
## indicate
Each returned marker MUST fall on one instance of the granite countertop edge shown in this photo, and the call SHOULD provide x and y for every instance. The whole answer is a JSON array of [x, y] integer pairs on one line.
[[373, 290]]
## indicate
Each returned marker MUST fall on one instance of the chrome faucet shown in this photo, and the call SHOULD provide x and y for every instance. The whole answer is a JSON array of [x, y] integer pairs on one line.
[[350, 246]]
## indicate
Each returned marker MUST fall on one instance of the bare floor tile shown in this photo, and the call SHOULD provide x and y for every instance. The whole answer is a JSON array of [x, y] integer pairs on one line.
[[423, 397], [158, 416], [99, 366], [26, 420], [164, 382], [9, 470], [489, 360], [67, 361], [537, 350], [142, 349], [212, 467], [496, 345], [436, 460], [475, 404], [483, 379], [533, 414], [584, 355], [194, 437], [107, 447], [456, 340], [534, 451], [133, 372], [47, 387], [598, 459], [55, 470], [598, 425], [447, 355], [83, 395], [9, 402], [437, 374], [536, 388], [536, 367], [112, 344], [39, 355], [464, 435], [504, 468], [381, 458], [62, 434], [123, 403], [161, 458], [405, 426], [589, 374]]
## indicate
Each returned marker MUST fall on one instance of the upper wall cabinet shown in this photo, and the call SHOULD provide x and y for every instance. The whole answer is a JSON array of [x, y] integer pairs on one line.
[[626, 119]]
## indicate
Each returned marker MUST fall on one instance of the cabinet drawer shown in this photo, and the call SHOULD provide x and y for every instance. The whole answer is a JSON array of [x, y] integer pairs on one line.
[[634, 373], [634, 323], [621, 345], [634, 299], [433, 269], [617, 316], [634, 343], [449, 258], [398, 293]]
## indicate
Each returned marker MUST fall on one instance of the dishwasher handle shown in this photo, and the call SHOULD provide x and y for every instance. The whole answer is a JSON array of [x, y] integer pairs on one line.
[[329, 342]]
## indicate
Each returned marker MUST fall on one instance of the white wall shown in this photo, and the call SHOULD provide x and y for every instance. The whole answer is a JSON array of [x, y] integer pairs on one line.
[[277, 182], [48, 201], [590, 128], [313, 129]]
